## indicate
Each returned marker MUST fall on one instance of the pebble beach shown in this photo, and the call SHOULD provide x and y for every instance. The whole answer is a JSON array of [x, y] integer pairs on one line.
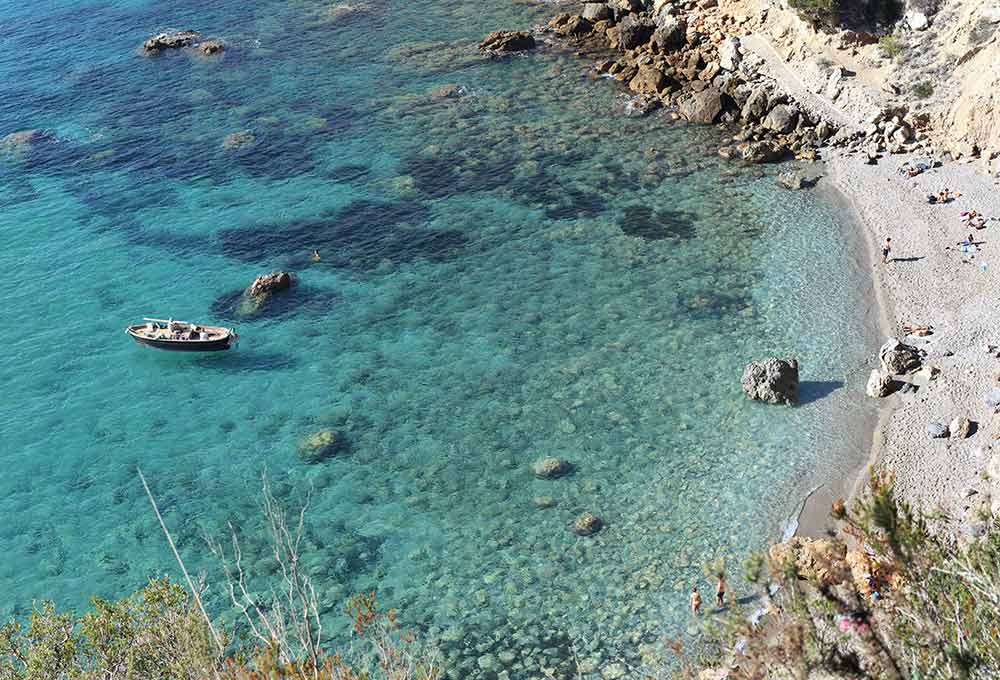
[[931, 281]]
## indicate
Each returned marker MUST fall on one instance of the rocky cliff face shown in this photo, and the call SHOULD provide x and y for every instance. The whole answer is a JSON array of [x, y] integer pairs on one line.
[[929, 82]]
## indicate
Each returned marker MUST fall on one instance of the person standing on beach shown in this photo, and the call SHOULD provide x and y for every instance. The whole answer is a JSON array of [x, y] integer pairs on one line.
[[886, 249], [720, 591], [695, 601]]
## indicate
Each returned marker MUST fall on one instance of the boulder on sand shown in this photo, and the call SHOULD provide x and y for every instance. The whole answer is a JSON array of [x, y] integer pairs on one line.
[[771, 380], [960, 427], [899, 359], [879, 384], [169, 40], [937, 430], [782, 118], [507, 41]]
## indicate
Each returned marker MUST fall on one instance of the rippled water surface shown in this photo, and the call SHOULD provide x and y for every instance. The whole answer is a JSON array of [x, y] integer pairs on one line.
[[511, 269]]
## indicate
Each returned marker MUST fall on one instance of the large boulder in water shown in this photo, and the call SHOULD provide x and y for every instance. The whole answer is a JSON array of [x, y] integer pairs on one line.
[[319, 446], [771, 380], [266, 284], [898, 359], [169, 40], [260, 291], [500, 42]]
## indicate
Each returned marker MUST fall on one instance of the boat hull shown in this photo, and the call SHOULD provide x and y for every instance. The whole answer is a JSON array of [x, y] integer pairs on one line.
[[214, 345]]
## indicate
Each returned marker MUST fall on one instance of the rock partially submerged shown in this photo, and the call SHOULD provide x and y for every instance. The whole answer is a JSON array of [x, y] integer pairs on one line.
[[169, 40], [258, 293], [503, 42], [771, 380], [266, 284], [322, 445], [793, 179], [22, 141], [211, 47]]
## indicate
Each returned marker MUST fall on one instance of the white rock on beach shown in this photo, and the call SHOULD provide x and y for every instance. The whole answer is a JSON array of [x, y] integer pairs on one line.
[[879, 384], [960, 427]]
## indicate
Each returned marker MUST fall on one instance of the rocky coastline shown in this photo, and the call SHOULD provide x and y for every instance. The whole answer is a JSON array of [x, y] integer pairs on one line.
[[710, 63], [739, 64]]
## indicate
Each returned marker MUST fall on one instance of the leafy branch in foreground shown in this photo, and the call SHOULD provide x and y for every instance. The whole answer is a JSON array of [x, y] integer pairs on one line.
[[889, 599]]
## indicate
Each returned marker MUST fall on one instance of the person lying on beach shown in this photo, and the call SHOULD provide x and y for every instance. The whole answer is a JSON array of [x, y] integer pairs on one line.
[[917, 329], [971, 218], [945, 196]]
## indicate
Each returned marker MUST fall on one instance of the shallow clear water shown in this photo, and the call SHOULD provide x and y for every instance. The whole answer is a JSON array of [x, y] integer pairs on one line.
[[514, 272]]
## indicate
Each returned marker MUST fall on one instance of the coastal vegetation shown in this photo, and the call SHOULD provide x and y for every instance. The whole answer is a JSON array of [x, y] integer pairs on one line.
[[891, 596]]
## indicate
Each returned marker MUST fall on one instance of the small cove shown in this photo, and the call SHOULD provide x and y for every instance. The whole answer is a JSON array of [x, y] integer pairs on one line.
[[515, 271]]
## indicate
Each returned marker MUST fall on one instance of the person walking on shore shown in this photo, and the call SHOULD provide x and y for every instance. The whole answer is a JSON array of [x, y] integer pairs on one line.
[[720, 591], [886, 249], [695, 601]]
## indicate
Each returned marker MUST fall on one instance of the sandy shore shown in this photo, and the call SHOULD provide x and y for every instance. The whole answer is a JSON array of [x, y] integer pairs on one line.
[[930, 281]]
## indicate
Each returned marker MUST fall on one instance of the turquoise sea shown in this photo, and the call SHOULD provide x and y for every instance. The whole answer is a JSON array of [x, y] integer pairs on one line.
[[511, 268]]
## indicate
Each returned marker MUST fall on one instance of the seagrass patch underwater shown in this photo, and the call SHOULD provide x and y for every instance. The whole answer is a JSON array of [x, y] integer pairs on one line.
[[510, 269]]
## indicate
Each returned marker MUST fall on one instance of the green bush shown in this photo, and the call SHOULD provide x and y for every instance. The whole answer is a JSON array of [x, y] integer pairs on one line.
[[829, 14], [891, 46], [924, 89], [817, 12], [156, 634]]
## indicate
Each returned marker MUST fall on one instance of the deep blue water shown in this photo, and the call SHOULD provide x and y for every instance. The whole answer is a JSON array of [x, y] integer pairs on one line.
[[513, 272]]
